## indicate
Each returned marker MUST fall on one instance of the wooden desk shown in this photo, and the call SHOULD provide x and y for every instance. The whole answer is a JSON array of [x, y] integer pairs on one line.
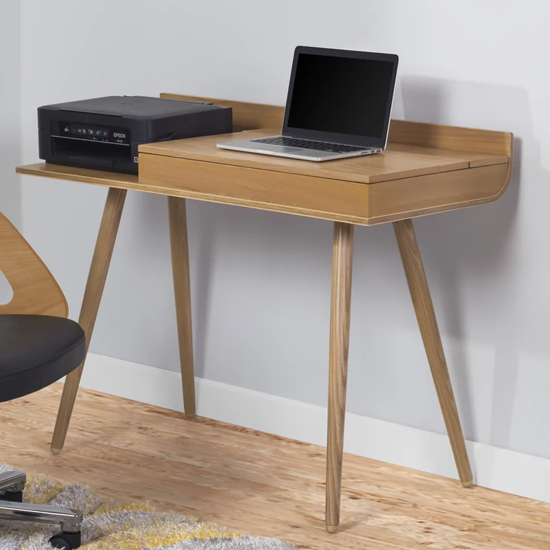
[[426, 169]]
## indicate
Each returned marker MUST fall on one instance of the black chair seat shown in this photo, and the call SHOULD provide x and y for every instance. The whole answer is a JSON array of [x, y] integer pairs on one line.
[[35, 351]]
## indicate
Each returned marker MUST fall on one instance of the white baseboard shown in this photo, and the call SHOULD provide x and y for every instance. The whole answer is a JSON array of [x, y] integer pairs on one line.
[[495, 468]]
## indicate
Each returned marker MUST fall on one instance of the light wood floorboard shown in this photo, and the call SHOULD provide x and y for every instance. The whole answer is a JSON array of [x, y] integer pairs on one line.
[[258, 483]]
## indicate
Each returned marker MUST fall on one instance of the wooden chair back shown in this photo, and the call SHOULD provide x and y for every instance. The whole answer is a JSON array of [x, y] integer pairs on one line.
[[35, 291]]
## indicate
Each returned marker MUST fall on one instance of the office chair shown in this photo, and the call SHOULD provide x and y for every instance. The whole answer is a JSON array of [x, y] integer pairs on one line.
[[38, 345]]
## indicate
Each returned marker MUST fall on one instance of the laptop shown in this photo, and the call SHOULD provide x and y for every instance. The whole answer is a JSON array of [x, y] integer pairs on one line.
[[338, 106]]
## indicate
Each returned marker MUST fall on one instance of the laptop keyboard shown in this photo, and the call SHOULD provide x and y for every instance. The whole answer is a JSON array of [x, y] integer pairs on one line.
[[309, 144]]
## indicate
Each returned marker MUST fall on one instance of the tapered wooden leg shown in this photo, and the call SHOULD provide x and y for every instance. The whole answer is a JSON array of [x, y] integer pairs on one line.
[[92, 297], [342, 259], [182, 291], [422, 301]]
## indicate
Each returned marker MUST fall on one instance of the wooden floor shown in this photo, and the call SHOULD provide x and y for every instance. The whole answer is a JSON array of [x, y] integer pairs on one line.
[[260, 484]]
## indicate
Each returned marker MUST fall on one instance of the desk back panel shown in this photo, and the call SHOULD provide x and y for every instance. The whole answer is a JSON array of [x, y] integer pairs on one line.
[[252, 116], [246, 116], [450, 137]]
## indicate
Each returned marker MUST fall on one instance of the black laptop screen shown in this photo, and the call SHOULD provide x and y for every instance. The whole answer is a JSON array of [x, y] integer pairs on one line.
[[341, 95]]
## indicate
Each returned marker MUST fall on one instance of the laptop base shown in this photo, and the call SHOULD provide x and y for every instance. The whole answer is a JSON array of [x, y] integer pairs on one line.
[[299, 153]]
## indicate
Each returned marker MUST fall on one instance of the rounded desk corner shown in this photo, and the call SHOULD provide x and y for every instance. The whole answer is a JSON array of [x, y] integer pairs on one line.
[[508, 177]]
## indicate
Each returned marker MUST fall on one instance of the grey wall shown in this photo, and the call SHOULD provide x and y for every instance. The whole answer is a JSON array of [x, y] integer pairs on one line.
[[261, 281], [10, 122], [10, 95]]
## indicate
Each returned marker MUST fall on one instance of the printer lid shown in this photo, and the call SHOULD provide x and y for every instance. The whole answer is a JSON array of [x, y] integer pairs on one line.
[[132, 106]]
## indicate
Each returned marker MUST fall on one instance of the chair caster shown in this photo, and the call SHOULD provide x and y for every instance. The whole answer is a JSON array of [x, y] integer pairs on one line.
[[66, 541], [16, 496]]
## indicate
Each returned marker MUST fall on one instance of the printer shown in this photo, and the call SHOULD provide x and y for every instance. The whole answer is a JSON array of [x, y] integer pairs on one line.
[[104, 133]]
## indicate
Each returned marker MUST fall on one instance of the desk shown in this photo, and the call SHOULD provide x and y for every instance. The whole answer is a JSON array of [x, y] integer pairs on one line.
[[425, 170]]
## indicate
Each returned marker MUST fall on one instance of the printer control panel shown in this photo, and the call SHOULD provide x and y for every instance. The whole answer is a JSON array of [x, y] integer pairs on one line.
[[90, 132]]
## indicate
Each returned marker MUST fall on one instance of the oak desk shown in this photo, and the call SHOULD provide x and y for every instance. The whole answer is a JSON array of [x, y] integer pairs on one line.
[[426, 169]]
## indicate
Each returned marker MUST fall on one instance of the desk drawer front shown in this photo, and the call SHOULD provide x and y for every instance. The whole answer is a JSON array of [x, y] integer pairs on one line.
[[422, 195], [262, 189]]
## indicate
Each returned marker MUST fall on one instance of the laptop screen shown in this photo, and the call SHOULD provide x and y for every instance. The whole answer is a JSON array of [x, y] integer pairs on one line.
[[341, 95]]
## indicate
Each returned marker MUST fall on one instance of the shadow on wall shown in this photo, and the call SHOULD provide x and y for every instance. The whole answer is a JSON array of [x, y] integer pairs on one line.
[[258, 247], [205, 257], [471, 258], [479, 244]]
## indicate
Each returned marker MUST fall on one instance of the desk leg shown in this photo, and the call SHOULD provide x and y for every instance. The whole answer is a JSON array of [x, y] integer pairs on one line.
[[182, 290], [92, 297], [342, 259], [422, 301]]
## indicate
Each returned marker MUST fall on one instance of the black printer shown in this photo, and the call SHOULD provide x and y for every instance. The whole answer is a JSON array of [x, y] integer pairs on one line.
[[104, 133]]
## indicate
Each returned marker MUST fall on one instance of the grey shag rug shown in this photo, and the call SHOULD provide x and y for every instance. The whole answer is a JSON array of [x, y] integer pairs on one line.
[[119, 526]]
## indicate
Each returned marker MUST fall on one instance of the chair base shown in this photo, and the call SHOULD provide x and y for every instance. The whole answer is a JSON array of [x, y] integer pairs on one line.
[[11, 508]]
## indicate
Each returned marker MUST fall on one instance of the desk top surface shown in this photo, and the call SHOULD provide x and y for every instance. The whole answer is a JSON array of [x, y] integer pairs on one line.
[[427, 168], [398, 161]]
